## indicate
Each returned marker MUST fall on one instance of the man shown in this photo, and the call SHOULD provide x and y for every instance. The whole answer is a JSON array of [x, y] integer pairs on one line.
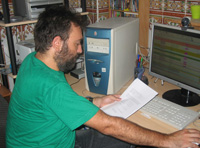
[[44, 111]]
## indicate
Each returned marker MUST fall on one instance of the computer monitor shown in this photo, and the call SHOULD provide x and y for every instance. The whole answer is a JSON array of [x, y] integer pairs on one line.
[[175, 58]]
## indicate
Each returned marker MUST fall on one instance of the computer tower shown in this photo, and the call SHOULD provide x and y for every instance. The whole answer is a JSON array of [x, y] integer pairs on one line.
[[110, 54]]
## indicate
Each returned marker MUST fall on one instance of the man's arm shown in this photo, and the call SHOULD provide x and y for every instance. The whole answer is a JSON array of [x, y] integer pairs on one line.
[[135, 134]]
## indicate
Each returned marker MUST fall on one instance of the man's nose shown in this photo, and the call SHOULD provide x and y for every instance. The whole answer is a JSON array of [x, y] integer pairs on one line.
[[79, 50]]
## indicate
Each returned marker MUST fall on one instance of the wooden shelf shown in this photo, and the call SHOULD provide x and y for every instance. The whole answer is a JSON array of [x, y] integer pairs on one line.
[[124, 11], [84, 13], [26, 22], [17, 23], [12, 76]]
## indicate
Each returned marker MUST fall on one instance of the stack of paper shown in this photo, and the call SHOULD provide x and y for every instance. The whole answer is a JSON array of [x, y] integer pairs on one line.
[[133, 98]]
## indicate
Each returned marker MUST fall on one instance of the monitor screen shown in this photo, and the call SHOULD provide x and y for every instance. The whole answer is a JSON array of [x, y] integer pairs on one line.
[[175, 58]]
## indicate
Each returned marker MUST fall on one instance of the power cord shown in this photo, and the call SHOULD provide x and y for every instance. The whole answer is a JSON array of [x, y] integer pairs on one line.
[[76, 82]]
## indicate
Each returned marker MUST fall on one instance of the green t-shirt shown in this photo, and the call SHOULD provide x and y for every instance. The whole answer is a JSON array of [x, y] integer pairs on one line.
[[44, 111]]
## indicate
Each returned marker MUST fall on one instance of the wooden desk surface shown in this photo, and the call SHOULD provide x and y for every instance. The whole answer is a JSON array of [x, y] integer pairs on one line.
[[138, 118]]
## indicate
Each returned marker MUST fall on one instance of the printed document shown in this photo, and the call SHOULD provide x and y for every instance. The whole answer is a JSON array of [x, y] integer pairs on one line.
[[133, 98]]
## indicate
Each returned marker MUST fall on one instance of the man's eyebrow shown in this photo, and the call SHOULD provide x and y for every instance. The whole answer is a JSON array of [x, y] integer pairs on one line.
[[81, 40]]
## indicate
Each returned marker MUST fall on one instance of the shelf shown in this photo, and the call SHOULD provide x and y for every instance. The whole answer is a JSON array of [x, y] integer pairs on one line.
[[84, 13], [131, 12], [26, 22], [17, 23], [12, 76], [122, 13]]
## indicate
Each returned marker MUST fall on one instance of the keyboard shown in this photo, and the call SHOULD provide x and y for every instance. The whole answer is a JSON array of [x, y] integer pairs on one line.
[[169, 112]]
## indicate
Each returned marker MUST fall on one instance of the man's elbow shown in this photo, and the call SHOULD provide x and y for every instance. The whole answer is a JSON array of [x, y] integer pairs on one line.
[[110, 126], [103, 123]]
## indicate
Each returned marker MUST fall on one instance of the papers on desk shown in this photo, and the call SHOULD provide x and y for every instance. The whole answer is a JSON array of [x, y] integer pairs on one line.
[[133, 98]]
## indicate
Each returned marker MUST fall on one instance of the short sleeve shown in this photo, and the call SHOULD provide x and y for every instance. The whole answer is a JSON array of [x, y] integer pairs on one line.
[[69, 107]]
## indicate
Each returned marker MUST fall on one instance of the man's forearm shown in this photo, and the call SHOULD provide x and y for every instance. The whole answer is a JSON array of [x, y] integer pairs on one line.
[[133, 133], [126, 131]]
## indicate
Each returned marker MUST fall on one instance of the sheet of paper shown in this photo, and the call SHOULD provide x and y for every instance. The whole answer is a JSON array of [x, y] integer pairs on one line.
[[133, 98]]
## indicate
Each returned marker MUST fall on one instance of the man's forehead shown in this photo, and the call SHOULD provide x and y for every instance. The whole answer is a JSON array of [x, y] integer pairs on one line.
[[75, 32]]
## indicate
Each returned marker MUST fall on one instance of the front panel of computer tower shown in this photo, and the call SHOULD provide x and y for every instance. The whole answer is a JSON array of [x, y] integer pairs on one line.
[[97, 59], [110, 54]]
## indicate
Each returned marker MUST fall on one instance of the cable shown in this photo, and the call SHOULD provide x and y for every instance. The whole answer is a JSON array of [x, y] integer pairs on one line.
[[89, 19], [76, 82], [145, 58]]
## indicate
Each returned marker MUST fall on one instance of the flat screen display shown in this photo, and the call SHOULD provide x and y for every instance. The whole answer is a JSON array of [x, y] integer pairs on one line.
[[175, 56]]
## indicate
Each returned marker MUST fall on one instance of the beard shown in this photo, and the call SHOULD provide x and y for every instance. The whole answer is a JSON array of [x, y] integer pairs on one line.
[[65, 60]]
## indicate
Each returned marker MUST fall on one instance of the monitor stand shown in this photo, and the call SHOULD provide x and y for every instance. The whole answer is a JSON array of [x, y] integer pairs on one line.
[[182, 97]]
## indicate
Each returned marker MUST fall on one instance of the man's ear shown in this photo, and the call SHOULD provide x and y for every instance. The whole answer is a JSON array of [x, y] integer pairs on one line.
[[57, 43]]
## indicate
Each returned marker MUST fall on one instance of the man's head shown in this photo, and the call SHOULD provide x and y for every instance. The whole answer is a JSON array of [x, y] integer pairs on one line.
[[59, 25], [70, 50]]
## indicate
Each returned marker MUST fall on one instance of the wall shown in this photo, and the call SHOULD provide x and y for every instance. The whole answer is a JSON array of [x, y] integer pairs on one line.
[[170, 11]]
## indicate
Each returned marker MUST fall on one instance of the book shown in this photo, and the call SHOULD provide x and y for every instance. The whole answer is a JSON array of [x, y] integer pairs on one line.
[[134, 97]]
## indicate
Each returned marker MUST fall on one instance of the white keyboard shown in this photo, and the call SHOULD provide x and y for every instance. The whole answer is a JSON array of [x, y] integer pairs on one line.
[[169, 112]]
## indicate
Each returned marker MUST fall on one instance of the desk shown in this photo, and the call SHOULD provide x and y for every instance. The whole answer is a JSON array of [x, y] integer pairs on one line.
[[137, 118]]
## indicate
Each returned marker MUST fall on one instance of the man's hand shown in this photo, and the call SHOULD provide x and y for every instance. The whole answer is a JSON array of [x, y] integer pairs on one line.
[[184, 138], [105, 100]]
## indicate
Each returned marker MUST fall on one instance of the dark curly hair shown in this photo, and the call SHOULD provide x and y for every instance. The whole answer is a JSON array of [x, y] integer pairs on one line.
[[55, 21]]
